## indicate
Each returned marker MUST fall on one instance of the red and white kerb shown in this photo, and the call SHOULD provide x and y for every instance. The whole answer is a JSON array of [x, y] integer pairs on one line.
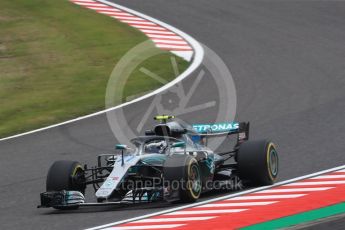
[[162, 37], [249, 209]]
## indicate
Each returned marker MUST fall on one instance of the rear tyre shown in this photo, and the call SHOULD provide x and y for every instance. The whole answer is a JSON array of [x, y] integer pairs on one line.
[[258, 162], [184, 171], [191, 190]]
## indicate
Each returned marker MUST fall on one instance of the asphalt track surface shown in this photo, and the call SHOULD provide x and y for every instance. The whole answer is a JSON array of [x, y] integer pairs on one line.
[[287, 61]]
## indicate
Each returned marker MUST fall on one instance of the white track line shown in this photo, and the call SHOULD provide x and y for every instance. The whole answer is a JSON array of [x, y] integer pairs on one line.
[[343, 171], [162, 226], [288, 190], [236, 204], [196, 61], [196, 212], [265, 197], [174, 219]]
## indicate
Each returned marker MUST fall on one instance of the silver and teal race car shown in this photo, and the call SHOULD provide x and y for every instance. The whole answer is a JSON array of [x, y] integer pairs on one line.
[[172, 162]]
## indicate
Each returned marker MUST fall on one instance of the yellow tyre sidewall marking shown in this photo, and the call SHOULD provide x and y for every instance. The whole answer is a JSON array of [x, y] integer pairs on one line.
[[76, 169], [188, 183], [268, 154]]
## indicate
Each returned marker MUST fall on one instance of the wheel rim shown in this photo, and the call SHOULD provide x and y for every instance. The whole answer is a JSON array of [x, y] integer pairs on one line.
[[194, 180], [77, 179], [273, 162]]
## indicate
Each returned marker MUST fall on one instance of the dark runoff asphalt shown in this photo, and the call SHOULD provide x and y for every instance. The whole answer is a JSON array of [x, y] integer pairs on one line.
[[287, 59]]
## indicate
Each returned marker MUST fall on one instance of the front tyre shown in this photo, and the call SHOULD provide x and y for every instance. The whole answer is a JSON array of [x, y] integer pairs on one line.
[[69, 176], [258, 162], [66, 175]]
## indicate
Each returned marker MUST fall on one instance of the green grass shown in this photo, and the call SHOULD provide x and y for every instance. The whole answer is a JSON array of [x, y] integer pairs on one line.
[[55, 61]]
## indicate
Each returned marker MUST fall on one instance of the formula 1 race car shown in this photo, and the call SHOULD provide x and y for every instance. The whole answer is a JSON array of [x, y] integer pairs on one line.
[[171, 162]]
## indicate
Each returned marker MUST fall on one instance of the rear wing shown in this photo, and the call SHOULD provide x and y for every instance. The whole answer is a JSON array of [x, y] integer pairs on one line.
[[223, 129]]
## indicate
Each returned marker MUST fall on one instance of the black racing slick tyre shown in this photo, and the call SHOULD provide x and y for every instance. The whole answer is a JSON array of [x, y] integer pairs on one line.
[[66, 175], [192, 176], [184, 171], [258, 162]]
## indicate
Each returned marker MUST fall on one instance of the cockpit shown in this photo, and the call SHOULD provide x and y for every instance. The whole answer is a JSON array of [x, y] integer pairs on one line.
[[155, 146]]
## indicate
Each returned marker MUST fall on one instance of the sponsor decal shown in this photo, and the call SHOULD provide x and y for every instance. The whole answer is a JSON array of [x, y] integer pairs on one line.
[[216, 128]]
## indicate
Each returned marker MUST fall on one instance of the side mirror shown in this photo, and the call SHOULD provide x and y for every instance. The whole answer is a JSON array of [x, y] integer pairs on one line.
[[121, 147], [180, 144]]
